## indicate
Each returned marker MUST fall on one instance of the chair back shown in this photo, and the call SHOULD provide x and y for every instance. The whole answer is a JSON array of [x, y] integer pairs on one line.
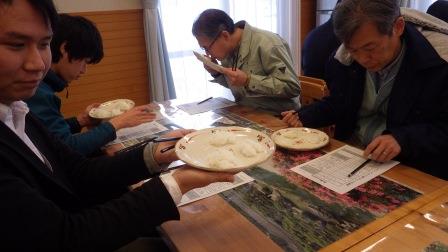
[[313, 89]]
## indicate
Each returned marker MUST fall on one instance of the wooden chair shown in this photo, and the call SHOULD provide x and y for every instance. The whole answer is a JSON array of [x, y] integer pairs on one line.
[[314, 89]]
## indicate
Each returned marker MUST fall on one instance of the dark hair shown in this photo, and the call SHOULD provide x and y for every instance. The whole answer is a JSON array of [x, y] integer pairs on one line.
[[211, 22], [81, 37], [45, 7], [349, 15]]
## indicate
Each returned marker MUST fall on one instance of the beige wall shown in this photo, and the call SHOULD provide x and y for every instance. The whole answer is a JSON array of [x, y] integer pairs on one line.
[[69, 6], [123, 73]]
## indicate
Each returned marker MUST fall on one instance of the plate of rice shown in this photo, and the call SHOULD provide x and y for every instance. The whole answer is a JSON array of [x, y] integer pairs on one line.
[[225, 149], [301, 138], [111, 109]]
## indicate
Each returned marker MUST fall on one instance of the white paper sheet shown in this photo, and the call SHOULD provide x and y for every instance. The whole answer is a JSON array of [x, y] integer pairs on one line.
[[331, 170], [141, 130], [214, 188], [212, 104]]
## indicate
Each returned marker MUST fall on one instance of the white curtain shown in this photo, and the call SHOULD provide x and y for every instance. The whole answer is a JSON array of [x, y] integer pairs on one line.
[[190, 78], [160, 77]]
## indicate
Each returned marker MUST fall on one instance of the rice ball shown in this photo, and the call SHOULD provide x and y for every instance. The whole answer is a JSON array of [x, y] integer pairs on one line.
[[102, 113], [123, 106], [222, 159], [250, 148], [222, 138], [247, 149]]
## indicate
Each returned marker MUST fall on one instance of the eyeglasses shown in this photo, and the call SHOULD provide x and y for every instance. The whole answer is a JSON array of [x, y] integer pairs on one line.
[[207, 49]]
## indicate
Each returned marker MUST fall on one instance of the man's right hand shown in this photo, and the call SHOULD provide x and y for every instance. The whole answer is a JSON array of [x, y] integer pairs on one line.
[[189, 178], [209, 69], [291, 118], [133, 117]]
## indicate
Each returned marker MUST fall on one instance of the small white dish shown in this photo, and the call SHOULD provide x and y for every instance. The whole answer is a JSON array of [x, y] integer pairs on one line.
[[301, 139], [207, 61], [110, 109], [225, 149]]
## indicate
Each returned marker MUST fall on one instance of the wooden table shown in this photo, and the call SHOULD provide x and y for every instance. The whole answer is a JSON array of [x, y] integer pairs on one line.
[[213, 225], [415, 231]]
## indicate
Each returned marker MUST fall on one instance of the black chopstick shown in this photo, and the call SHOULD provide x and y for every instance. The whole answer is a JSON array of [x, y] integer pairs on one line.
[[166, 139], [169, 169], [151, 139], [359, 167], [205, 100], [136, 146], [167, 148]]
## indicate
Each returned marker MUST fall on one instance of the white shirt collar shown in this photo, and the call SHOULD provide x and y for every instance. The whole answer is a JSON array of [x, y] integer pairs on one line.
[[16, 108]]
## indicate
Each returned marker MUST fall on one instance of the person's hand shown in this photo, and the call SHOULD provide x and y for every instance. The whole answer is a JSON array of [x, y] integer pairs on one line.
[[189, 178], [236, 77], [169, 156], [85, 120], [383, 148], [291, 118], [209, 69], [133, 117]]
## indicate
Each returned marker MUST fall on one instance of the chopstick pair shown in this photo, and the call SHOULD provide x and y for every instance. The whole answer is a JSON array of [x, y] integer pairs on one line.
[[151, 139]]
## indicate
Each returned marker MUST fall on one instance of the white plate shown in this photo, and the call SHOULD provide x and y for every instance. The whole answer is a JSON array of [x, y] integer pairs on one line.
[[300, 138], [208, 62], [111, 109], [244, 148]]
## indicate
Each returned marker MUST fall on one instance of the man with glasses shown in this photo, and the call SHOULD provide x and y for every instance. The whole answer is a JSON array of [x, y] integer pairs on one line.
[[258, 67], [388, 86]]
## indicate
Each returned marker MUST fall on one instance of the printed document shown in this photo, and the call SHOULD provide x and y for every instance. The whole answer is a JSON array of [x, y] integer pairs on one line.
[[332, 169], [211, 104], [144, 129]]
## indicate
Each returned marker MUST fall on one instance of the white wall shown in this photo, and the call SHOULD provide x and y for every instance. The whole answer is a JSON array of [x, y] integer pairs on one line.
[[68, 6]]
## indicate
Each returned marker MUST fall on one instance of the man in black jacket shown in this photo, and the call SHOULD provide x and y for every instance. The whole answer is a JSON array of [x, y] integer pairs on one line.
[[439, 9], [388, 87], [52, 198], [317, 49]]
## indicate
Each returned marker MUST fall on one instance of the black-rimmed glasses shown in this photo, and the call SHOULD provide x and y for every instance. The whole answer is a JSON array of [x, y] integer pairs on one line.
[[207, 49]]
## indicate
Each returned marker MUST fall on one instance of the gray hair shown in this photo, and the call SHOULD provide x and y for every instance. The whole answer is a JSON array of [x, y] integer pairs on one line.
[[349, 15]]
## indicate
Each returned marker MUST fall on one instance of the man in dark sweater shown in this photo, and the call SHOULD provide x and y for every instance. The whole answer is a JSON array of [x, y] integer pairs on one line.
[[76, 43], [388, 86]]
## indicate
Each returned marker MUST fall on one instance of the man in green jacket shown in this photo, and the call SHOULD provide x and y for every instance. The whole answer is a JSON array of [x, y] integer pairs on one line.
[[258, 67]]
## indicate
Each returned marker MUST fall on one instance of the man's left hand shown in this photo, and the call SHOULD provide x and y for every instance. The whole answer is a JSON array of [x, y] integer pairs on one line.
[[236, 77], [85, 120], [383, 148]]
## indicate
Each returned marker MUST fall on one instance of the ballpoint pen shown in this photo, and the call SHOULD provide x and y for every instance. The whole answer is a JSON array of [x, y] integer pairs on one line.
[[359, 167], [205, 100]]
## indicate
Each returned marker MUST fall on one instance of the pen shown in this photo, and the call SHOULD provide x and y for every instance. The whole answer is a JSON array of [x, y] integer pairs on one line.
[[359, 168], [205, 100]]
